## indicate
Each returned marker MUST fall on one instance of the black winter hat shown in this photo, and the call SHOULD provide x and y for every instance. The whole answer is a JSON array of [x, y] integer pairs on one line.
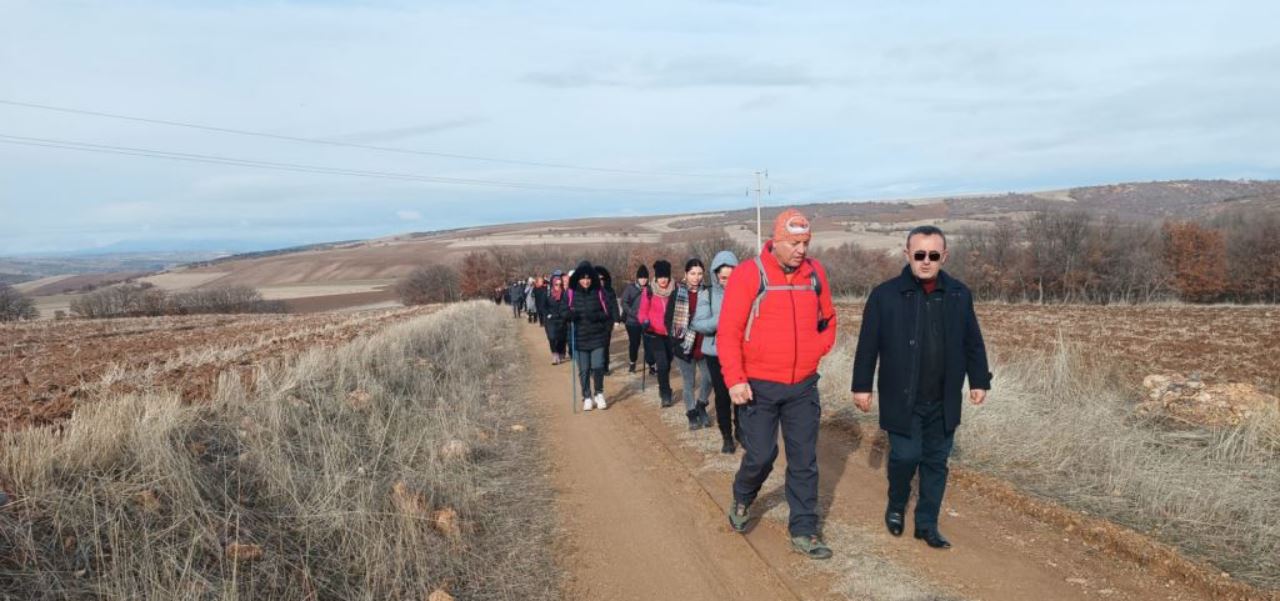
[[584, 268], [643, 272], [661, 269]]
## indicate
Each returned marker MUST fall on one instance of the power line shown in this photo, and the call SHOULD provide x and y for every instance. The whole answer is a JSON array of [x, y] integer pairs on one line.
[[391, 149], [302, 168]]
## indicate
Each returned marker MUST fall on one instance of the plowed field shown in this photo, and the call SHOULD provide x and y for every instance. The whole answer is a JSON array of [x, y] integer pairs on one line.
[[1220, 343], [47, 367]]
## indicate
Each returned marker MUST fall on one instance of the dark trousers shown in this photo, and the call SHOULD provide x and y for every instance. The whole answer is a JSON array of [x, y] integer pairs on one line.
[[662, 350], [591, 370], [556, 338], [925, 451], [516, 308], [726, 411], [796, 408], [635, 337]]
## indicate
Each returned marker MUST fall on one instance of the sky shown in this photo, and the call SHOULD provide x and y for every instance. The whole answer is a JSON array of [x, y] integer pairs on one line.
[[373, 116]]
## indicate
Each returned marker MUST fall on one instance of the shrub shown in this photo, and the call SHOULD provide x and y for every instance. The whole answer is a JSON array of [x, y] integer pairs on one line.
[[430, 284], [15, 306]]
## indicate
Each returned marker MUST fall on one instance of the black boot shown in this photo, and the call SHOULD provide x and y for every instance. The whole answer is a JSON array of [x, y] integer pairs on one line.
[[666, 398], [728, 448], [632, 368], [703, 416], [695, 420]]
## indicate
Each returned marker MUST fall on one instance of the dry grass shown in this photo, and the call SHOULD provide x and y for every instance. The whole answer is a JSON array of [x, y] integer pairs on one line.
[[1064, 428], [337, 478]]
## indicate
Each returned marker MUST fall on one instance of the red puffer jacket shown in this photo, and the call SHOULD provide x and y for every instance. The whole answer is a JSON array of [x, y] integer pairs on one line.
[[785, 344]]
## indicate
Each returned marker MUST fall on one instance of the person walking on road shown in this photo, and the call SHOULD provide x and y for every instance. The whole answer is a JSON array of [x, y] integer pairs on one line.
[[705, 321], [922, 329], [610, 298], [592, 319], [631, 319], [553, 318], [653, 316], [687, 344], [777, 321]]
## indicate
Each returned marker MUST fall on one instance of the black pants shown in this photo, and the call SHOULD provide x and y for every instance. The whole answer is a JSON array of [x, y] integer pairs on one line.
[[516, 308], [796, 408], [556, 338], [662, 350], [925, 451], [726, 411], [635, 337]]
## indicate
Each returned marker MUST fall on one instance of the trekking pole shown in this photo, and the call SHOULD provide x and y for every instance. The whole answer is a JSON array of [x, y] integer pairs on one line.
[[644, 373], [573, 371]]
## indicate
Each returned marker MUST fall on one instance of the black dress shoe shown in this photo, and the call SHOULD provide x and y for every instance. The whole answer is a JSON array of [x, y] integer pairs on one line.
[[893, 520], [933, 538]]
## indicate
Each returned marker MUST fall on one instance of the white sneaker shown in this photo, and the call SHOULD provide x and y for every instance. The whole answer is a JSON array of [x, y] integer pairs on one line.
[[586, 404], [599, 399]]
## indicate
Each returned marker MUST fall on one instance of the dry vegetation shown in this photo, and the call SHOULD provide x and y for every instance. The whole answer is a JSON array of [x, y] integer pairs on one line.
[[1064, 421], [47, 369], [388, 468]]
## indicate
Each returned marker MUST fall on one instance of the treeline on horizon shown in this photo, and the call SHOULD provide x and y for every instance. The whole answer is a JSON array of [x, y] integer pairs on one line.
[[1049, 257]]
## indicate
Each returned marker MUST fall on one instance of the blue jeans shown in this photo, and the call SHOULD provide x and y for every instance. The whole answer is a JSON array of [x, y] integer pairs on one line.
[[591, 370]]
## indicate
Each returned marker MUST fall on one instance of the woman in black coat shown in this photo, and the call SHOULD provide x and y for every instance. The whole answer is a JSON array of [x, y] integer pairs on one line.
[[590, 322], [611, 302], [554, 310]]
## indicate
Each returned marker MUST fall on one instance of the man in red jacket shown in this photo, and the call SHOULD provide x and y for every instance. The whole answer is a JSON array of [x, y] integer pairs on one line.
[[776, 324]]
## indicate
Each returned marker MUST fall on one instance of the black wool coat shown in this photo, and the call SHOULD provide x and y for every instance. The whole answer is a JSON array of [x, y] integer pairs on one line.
[[890, 335], [589, 314]]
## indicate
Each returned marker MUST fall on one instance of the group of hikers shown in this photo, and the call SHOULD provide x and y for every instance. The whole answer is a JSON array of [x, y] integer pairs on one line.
[[751, 337]]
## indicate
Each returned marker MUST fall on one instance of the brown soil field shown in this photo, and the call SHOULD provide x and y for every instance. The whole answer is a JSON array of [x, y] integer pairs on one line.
[[1221, 343], [76, 282], [46, 368]]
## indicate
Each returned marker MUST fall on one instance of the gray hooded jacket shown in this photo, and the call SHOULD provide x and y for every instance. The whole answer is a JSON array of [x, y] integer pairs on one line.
[[707, 315]]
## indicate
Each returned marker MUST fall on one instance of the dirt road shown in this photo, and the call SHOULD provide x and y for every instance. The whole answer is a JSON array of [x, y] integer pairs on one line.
[[641, 503]]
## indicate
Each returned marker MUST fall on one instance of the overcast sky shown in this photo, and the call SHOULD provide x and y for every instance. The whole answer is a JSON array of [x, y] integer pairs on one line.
[[839, 100]]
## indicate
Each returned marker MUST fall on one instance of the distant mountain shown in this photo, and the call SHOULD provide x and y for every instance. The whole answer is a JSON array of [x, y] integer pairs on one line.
[[33, 267], [874, 224]]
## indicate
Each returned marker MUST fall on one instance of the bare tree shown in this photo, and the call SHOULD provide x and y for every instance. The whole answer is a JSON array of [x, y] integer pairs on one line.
[[15, 306], [430, 284]]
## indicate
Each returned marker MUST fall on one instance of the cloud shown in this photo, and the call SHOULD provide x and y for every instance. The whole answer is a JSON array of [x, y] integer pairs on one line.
[[409, 215], [400, 133], [691, 71]]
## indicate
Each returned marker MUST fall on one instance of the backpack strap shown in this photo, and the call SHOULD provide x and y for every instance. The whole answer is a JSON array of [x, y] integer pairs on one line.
[[814, 284]]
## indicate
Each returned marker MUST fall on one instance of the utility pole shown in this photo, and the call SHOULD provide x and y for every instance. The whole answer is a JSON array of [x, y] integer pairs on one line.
[[762, 177]]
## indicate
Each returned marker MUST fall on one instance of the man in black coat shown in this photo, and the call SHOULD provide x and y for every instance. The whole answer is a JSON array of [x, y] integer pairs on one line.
[[922, 328]]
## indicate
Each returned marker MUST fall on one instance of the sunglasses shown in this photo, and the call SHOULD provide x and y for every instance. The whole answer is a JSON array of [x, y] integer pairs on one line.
[[933, 255]]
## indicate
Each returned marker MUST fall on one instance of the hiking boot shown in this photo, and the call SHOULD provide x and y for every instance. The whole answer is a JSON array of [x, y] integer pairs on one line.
[[666, 399], [587, 403], [653, 371], [631, 368], [811, 545], [695, 420], [703, 416], [599, 401], [739, 516], [728, 448]]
